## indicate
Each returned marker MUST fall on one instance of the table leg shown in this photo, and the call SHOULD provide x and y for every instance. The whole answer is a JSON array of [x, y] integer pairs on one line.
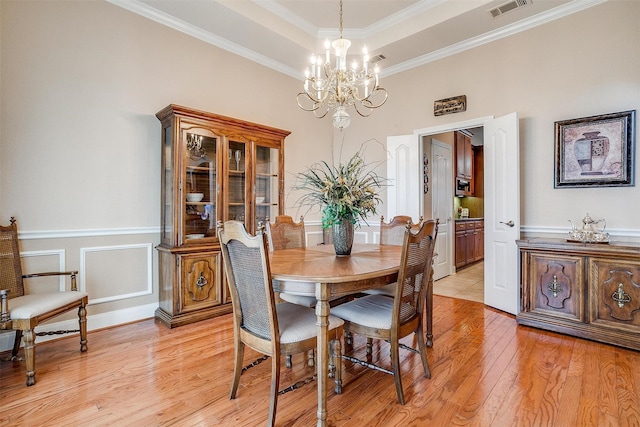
[[322, 312]]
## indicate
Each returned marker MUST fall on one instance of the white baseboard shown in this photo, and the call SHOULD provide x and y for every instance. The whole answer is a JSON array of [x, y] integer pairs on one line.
[[96, 321]]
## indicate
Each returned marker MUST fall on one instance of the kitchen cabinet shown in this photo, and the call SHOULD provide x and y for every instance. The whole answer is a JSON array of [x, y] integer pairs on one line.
[[587, 290], [469, 239], [214, 168], [464, 164]]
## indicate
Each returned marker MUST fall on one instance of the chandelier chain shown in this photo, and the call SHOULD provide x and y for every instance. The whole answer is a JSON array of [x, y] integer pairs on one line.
[[340, 18]]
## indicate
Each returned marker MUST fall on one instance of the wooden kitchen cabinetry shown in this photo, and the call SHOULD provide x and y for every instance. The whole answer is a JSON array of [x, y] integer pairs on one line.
[[214, 168], [464, 164], [469, 241], [587, 290]]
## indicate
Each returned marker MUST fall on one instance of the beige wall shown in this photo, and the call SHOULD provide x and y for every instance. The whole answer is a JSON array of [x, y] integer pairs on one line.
[[80, 145], [582, 65]]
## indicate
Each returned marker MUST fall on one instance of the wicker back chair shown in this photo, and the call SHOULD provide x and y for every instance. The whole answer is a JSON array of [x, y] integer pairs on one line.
[[272, 329], [383, 318], [23, 312]]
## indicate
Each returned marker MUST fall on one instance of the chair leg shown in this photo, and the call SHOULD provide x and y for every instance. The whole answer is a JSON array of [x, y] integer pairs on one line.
[[237, 368], [288, 362], [395, 362], [336, 364], [16, 345], [30, 355], [275, 386], [82, 322], [311, 358], [423, 353], [369, 346], [429, 311]]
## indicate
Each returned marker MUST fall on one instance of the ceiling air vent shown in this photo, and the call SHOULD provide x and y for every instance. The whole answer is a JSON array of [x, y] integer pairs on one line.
[[377, 58], [507, 7]]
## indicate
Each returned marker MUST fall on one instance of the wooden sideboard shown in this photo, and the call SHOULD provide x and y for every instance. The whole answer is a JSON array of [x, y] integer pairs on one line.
[[587, 290]]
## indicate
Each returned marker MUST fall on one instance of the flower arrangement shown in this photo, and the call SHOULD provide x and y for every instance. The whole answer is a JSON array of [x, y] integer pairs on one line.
[[346, 192]]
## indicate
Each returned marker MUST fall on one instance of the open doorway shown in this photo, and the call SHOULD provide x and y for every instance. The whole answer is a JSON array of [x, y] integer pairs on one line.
[[460, 202], [501, 204]]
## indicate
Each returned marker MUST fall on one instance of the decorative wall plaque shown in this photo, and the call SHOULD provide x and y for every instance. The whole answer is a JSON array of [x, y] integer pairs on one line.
[[450, 105]]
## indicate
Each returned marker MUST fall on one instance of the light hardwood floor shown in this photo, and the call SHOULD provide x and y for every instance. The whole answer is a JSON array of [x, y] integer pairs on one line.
[[467, 283], [486, 371]]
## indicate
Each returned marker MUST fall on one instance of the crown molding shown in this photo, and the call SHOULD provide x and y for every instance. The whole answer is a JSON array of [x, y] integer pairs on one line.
[[149, 12], [506, 31], [193, 31]]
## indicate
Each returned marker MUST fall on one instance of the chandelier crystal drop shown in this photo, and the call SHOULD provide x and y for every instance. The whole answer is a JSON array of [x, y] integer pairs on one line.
[[327, 88]]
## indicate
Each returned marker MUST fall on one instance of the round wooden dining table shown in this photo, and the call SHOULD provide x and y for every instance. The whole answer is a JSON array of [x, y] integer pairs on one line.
[[317, 271]]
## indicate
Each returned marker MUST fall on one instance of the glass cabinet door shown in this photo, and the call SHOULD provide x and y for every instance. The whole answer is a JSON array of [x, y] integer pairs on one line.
[[199, 185], [266, 184], [237, 181]]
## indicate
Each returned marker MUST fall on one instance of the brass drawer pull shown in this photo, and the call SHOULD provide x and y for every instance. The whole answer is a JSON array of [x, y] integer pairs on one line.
[[202, 281], [554, 286], [620, 296]]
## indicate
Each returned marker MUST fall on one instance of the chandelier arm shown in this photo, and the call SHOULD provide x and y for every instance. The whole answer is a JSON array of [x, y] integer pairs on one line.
[[368, 101]]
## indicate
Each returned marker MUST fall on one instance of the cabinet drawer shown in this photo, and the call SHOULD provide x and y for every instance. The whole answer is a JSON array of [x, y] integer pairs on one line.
[[461, 225], [200, 281], [614, 292], [556, 286]]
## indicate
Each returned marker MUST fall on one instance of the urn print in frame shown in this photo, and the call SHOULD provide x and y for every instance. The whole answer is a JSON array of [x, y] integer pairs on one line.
[[595, 151]]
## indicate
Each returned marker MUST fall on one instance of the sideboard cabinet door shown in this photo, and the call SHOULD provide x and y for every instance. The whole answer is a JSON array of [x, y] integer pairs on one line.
[[557, 286], [614, 289]]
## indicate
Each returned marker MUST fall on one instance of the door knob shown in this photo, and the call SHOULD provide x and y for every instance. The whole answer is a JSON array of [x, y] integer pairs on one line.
[[510, 223]]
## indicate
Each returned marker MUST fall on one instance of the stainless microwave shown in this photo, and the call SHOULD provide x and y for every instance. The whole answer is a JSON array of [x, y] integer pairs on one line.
[[463, 187]]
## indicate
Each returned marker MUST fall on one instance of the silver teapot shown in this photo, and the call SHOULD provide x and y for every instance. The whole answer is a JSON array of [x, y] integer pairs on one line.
[[590, 231]]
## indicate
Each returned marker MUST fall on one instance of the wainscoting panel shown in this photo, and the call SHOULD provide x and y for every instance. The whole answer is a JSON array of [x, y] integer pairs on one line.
[[41, 261], [111, 273]]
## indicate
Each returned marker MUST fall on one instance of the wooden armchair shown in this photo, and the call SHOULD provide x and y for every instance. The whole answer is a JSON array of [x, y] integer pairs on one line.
[[23, 312], [272, 329]]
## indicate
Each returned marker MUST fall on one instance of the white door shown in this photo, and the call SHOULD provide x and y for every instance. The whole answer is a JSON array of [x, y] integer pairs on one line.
[[441, 188], [404, 169], [501, 213]]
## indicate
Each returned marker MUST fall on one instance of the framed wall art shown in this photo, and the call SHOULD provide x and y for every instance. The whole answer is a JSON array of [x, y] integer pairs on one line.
[[596, 151]]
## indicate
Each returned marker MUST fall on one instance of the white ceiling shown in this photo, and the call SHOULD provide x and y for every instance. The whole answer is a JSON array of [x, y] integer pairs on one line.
[[282, 34]]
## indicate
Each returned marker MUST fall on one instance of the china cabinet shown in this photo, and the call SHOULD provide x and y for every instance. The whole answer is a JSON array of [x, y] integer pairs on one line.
[[214, 168], [588, 290]]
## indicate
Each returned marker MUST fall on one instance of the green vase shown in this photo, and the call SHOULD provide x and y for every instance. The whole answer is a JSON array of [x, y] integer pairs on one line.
[[343, 237]]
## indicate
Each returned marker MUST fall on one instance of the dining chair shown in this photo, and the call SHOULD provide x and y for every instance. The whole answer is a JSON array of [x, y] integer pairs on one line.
[[272, 329], [383, 318], [392, 233], [23, 312], [284, 233]]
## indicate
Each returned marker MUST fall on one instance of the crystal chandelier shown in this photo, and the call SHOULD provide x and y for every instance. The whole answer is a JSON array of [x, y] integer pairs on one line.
[[327, 88]]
